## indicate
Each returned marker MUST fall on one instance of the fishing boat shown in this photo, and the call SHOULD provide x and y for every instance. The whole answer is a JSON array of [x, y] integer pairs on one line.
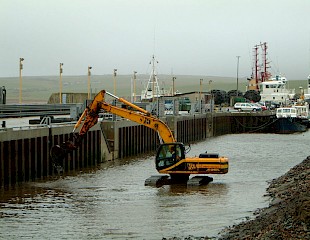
[[275, 89], [291, 119], [271, 88], [287, 120]]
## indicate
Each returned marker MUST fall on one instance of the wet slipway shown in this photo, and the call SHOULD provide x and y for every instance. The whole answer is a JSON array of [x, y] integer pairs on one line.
[[111, 202]]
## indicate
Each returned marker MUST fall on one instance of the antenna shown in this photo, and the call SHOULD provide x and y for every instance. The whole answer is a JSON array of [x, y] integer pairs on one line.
[[309, 53], [154, 42]]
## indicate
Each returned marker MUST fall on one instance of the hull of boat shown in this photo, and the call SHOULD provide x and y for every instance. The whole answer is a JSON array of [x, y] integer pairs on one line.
[[286, 126]]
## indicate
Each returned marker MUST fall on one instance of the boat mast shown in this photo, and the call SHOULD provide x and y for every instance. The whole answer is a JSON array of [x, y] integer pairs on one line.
[[260, 71], [152, 89], [265, 75], [256, 66], [153, 77]]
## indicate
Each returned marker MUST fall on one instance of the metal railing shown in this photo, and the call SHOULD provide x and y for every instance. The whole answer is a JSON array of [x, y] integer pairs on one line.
[[7, 111]]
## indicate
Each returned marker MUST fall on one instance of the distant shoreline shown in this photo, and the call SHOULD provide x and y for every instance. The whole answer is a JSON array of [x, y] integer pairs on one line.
[[38, 89]]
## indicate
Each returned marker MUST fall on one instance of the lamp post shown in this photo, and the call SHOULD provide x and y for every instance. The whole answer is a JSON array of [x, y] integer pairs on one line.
[[237, 75], [88, 73], [210, 89], [200, 97], [20, 78], [173, 89], [60, 82], [114, 78], [134, 85]]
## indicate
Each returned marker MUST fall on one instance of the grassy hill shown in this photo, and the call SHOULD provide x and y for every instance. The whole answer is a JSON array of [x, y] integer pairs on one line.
[[39, 88]]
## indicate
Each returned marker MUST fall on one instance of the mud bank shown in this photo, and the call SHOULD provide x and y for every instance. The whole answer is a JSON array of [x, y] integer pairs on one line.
[[288, 214]]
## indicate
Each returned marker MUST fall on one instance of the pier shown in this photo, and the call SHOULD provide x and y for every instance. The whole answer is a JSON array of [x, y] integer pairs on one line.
[[24, 151]]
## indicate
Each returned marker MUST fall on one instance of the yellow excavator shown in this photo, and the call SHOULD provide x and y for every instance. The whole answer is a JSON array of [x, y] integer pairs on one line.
[[170, 157]]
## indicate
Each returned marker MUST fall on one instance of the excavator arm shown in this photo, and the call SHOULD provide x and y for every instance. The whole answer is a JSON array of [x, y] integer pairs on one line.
[[91, 114]]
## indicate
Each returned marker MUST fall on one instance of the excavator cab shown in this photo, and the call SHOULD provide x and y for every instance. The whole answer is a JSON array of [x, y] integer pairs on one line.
[[169, 154]]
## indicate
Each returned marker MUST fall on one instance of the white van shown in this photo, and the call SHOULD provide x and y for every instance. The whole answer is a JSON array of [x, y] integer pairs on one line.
[[242, 106]]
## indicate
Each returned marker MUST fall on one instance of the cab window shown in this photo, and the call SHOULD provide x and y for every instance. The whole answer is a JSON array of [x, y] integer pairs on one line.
[[167, 155]]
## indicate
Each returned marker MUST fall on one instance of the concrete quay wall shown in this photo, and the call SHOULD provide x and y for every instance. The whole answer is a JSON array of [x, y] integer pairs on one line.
[[24, 152]]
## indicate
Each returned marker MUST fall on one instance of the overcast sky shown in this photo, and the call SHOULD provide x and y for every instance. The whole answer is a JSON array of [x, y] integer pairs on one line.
[[188, 37]]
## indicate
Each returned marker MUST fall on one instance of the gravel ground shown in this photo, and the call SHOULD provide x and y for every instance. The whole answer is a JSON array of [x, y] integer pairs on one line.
[[288, 214]]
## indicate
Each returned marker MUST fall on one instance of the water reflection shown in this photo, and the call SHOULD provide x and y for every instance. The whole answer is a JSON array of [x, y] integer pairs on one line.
[[182, 189]]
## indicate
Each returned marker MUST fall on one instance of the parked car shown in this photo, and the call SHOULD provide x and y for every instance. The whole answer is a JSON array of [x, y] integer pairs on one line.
[[242, 106], [271, 105], [184, 104], [263, 108], [264, 105], [168, 105]]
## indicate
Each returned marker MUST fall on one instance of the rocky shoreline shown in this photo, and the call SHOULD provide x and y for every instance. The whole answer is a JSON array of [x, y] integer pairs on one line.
[[288, 214]]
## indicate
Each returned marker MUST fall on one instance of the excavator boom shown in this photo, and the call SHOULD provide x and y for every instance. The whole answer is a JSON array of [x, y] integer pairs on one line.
[[139, 115]]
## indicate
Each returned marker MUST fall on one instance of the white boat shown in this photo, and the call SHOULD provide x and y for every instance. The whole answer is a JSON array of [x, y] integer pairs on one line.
[[275, 90], [287, 121], [272, 89], [299, 112], [153, 89]]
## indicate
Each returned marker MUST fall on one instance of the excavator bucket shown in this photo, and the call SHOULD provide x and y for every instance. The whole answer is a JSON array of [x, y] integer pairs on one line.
[[58, 152], [57, 155]]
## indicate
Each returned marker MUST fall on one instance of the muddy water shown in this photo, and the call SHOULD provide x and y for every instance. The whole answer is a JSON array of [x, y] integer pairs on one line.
[[112, 202]]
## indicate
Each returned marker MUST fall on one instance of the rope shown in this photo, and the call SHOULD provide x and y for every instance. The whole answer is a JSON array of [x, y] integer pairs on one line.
[[257, 128]]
